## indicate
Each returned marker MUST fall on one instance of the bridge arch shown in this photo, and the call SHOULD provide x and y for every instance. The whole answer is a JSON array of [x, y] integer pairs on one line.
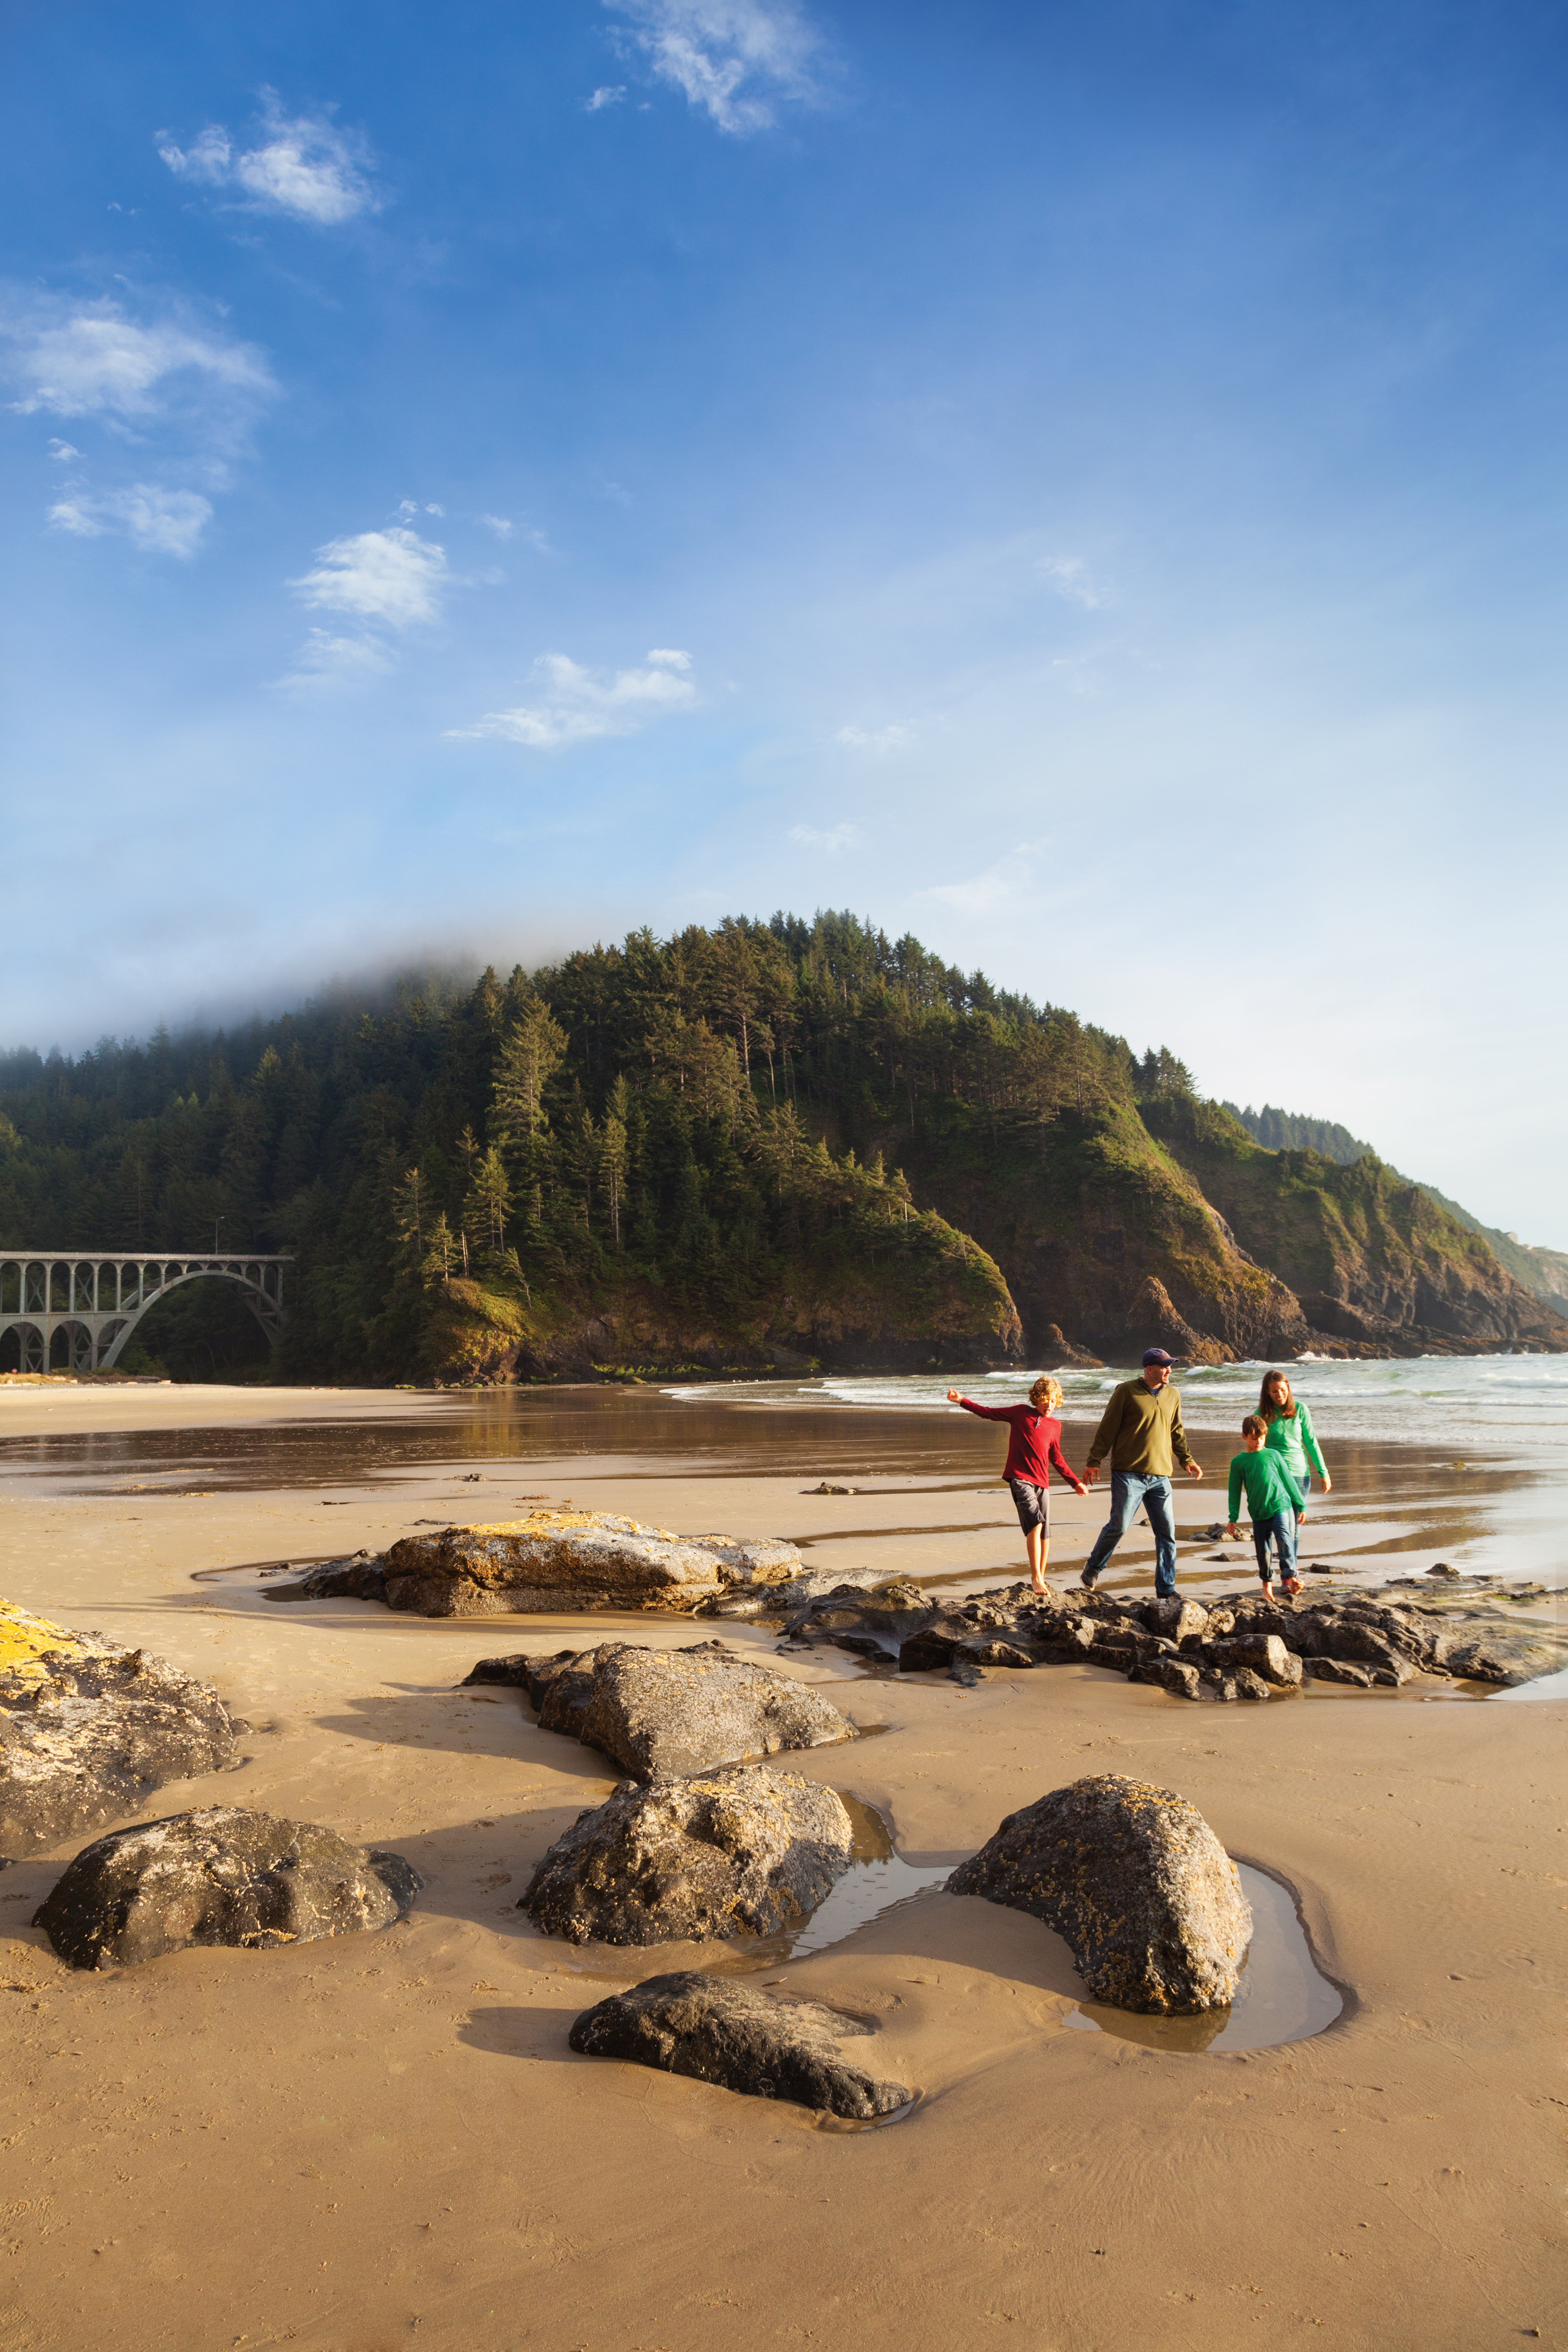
[[82, 1310]]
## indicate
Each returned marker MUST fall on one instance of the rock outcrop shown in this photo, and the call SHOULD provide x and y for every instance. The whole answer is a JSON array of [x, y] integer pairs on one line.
[[722, 2031], [572, 1560], [660, 1712], [742, 1852], [1136, 1882], [223, 1876], [1239, 1647], [88, 1729]]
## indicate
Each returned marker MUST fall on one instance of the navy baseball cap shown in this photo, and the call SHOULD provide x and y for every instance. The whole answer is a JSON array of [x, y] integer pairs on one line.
[[1157, 1356]]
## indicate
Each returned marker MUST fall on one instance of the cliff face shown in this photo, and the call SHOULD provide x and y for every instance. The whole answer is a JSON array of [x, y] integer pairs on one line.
[[1378, 1267], [888, 1296], [1104, 1238]]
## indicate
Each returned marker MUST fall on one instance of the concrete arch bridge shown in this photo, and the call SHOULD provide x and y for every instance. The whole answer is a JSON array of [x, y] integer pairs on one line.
[[59, 1312]]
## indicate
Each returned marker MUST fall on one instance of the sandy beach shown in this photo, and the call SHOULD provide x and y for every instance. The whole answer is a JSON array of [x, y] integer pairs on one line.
[[385, 2140]]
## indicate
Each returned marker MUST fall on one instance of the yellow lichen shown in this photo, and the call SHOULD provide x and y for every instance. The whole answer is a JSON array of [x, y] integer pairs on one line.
[[24, 1639]]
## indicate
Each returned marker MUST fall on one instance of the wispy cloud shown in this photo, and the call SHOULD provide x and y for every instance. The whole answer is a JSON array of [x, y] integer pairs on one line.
[[734, 59], [390, 577], [835, 838], [301, 165], [324, 661], [611, 94], [90, 359], [876, 739], [1069, 576], [62, 452], [981, 894], [574, 703], [163, 522]]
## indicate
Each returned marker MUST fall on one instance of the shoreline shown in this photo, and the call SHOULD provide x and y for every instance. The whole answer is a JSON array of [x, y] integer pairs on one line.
[[328, 2145]]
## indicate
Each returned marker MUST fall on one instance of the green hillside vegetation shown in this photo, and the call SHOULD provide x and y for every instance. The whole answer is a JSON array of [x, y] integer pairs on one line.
[[1285, 1131], [765, 1144], [1374, 1258]]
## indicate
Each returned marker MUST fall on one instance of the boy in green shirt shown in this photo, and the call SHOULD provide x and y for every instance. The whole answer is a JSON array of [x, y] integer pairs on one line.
[[1271, 1503]]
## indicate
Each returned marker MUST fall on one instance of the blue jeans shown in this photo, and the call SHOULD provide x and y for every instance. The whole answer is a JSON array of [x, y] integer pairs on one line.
[[1279, 1531], [1129, 1489]]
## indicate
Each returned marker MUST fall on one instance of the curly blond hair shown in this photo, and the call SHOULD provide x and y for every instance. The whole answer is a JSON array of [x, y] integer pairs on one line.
[[1045, 1396]]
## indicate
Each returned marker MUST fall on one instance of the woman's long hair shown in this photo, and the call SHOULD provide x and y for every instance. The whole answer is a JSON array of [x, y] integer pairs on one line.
[[1268, 1409]]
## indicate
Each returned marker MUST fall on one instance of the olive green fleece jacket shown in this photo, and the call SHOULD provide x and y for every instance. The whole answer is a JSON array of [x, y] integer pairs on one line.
[[1141, 1429]]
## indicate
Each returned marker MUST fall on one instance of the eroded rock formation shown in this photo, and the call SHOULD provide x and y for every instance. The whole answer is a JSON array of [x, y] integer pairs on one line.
[[1136, 1882], [723, 2031], [88, 1729], [746, 1851], [670, 1711], [223, 1876]]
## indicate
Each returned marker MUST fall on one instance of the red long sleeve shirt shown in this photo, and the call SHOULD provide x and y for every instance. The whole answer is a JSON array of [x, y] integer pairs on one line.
[[1033, 1443]]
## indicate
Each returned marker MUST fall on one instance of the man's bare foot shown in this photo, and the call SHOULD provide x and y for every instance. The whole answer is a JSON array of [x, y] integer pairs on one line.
[[1038, 1584], [1290, 1585]]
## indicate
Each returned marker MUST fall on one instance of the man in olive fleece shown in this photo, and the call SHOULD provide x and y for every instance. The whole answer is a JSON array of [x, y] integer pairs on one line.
[[1141, 1429]]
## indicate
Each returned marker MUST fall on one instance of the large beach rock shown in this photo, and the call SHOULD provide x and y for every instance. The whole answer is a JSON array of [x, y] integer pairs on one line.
[[722, 2031], [89, 1728], [225, 1876], [744, 1850], [555, 1561], [670, 1711], [1138, 1884]]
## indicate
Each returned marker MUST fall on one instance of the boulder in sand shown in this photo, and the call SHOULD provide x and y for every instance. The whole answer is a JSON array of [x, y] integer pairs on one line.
[[223, 1876], [555, 1561], [744, 1852], [1136, 1882], [88, 1729], [722, 2031], [670, 1711]]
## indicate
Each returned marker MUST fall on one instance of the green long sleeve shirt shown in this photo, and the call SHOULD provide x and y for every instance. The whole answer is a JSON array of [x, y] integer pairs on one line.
[[1141, 1429], [1268, 1483], [1293, 1438]]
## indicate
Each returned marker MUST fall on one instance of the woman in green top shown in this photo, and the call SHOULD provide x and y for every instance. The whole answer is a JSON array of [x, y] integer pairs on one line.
[[1289, 1427]]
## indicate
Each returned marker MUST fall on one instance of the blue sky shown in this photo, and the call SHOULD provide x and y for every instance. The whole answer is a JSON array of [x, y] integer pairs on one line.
[[1085, 485]]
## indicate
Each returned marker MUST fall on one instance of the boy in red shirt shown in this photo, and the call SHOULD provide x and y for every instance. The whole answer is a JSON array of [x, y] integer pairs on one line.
[[1033, 1443]]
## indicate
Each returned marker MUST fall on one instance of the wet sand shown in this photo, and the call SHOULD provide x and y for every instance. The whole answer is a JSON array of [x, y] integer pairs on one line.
[[385, 2140]]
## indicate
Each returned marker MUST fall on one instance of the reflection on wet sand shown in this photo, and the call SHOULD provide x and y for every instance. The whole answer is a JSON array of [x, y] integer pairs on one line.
[[1393, 1502]]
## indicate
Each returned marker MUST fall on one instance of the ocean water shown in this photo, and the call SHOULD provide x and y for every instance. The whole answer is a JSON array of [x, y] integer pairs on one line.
[[1508, 1407]]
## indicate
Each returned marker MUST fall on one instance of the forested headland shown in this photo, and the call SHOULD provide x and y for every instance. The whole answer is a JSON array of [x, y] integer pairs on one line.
[[769, 1144]]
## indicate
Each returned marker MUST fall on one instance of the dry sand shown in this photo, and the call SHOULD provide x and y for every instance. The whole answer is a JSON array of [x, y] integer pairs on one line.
[[385, 2141]]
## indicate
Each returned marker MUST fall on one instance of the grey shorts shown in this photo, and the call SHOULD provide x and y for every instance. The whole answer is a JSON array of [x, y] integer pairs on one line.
[[1034, 1504]]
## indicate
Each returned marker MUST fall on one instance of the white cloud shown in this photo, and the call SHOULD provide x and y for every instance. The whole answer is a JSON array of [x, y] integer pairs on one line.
[[576, 704], [393, 576], [63, 451], [302, 165], [1069, 576], [609, 95], [325, 661], [163, 522], [987, 893], [877, 738], [94, 361], [499, 524], [732, 57], [837, 836]]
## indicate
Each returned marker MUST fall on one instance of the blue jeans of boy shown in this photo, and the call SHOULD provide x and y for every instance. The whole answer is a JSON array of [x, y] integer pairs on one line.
[[1279, 1531], [1129, 1489]]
